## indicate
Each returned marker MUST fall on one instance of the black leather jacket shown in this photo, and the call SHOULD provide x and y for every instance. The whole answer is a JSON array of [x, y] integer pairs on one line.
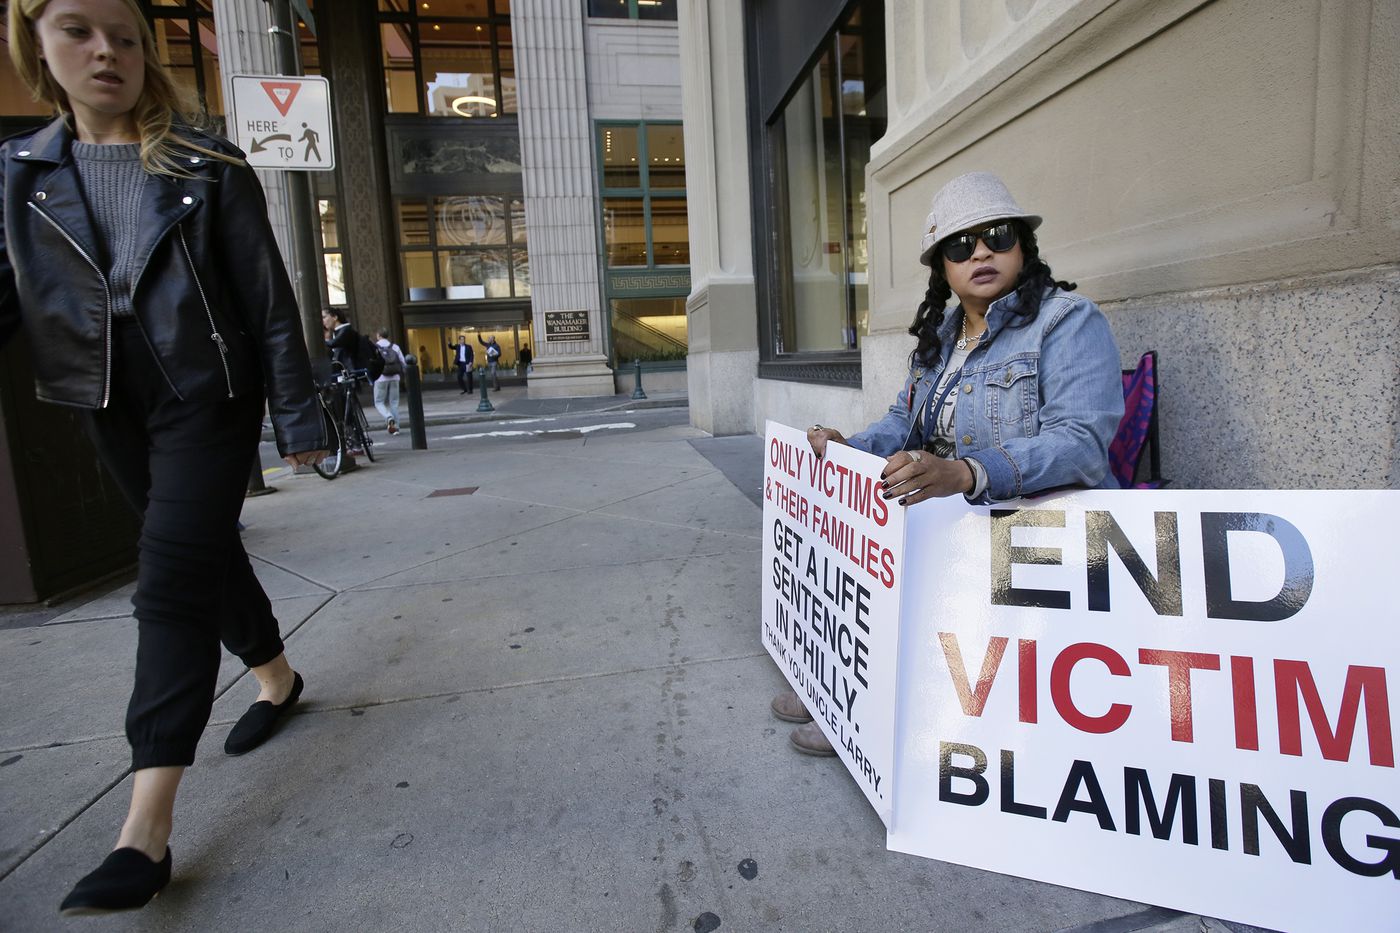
[[210, 291]]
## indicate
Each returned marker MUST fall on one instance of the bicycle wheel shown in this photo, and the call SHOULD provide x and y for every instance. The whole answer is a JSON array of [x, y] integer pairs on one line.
[[362, 430], [329, 468]]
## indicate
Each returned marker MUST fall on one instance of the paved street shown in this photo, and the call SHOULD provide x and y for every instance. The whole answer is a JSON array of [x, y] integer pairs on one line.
[[536, 700]]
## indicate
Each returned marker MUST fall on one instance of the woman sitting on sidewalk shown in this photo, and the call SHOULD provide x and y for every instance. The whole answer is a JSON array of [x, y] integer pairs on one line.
[[1015, 392], [139, 256]]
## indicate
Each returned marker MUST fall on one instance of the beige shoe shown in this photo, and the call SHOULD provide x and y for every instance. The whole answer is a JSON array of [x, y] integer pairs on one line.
[[810, 740], [788, 707]]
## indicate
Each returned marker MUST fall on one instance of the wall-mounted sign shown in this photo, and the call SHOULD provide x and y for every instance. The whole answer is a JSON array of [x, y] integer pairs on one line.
[[566, 326]]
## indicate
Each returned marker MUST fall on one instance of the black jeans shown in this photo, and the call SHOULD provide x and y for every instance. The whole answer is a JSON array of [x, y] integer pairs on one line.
[[464, 377], [184, 467]]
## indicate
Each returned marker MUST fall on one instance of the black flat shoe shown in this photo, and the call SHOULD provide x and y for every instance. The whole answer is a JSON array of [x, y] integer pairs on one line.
[[257, 725], [126, 880]]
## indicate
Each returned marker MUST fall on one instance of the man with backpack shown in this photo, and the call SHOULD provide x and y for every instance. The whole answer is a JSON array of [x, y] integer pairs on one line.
[[390, 362], [493, 355]]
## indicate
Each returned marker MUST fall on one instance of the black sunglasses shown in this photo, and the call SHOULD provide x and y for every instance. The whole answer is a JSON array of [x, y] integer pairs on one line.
[[960, 248]]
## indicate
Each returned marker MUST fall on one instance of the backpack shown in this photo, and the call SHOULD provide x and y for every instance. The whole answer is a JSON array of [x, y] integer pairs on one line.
[[390, 363], [370, 358]]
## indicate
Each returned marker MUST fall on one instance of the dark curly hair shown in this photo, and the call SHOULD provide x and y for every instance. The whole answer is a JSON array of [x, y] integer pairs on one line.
[[1032, 285]]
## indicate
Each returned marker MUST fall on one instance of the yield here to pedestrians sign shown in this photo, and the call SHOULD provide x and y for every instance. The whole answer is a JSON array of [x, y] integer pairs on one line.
[[283, 122]]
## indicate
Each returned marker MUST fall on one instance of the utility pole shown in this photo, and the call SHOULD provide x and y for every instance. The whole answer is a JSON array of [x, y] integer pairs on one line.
[[308, 274]]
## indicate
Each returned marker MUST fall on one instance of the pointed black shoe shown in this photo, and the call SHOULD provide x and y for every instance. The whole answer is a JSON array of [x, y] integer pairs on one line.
[[257, 725], [126, 880]]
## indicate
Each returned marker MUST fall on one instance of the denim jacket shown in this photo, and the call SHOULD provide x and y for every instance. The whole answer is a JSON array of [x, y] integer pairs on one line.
[[1037, 404]]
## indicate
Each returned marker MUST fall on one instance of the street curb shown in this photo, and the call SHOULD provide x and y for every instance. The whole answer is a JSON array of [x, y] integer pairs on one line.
[[500, 415]]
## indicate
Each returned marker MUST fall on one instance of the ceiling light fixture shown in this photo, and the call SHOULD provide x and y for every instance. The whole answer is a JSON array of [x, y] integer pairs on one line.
[[471, 99]]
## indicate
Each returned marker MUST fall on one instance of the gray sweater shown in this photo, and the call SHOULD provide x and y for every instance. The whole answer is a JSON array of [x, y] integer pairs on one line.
[[113, 180]]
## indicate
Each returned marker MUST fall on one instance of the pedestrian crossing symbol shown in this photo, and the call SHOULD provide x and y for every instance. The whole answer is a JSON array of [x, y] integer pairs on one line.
[[283, 122]]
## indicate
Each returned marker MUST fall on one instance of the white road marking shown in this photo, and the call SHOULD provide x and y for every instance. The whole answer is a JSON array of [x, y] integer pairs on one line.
[[586, 429]]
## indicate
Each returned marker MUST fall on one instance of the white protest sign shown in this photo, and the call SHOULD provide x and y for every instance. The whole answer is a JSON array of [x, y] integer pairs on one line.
[[282, 121], [1180, 698], [831, 566]]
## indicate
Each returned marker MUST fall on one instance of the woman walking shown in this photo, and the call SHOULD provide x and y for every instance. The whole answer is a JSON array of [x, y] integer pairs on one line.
[[138, 254]]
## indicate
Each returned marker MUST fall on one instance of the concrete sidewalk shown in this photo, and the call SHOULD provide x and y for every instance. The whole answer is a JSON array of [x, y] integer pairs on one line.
[[542, 705]]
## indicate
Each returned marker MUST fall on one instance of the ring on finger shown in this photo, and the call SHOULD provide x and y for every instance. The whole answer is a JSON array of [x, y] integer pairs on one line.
[[916, 455]]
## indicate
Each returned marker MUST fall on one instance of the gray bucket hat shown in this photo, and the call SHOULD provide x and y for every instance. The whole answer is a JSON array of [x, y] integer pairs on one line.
[[969, 201]]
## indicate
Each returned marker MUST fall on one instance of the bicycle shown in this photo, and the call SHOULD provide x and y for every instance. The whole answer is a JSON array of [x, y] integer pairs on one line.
[[344, 414]]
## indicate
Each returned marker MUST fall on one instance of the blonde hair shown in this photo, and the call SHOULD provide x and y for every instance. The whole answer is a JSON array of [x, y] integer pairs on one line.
[[160, 104]]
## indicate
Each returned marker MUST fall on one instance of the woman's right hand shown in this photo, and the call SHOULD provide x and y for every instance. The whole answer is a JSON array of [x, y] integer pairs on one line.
[[819, 437]]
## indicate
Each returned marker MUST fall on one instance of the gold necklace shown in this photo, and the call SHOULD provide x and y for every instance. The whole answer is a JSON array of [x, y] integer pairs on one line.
[[962, 343]]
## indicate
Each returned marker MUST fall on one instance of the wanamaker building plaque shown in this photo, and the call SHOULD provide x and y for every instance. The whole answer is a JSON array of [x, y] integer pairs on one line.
[[560, 326]]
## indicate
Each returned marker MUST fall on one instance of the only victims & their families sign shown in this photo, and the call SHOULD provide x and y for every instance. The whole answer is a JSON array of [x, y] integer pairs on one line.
[[1180, 698], [831, 561]]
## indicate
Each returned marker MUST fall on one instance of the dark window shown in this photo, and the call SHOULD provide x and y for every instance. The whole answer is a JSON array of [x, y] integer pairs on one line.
[[817, 147], [447, 58], [463, 247], [332, 253], [632, 9], [643, 188], [185, 44]]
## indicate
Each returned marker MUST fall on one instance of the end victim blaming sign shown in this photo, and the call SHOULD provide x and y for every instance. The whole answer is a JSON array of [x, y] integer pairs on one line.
[[1175, 697], [1180, 698], [830, 596]]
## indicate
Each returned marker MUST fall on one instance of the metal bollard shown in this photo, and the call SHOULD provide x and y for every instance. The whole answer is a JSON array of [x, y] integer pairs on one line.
[[637, 371], [485, 401], [418, 431], [256, 486]]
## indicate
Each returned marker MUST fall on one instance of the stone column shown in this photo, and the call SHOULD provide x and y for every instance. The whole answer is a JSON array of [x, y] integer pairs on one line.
[[722, 312], [365, 219], [246, 48], [556, 149]]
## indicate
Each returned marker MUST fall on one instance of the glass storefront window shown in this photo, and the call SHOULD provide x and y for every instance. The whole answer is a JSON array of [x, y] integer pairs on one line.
[[632, 9], [470, 221], [620, 154], [625, 231], [177, 54], [335, 279], [14, 93], [332, 255], [330, 232], [460, 247], [670, 233], [648, 329], [506, 52], [413, 222], [520, 264], [642, 168], [449, 58], [612, 9], [656, 9], [458, 76], [821, 144], [474, 8], [665, 156], [814, 252], [419, 273], [400, 79]]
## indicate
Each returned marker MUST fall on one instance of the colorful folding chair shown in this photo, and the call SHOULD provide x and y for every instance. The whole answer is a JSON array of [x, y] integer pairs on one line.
[[1138, 429]]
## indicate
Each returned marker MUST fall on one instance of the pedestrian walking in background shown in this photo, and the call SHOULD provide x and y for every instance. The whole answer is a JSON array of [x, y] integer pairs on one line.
[[386, 387], [1016, 391], [463, 356], [137, 253], [527, 358], [493, 356], [342, 340]]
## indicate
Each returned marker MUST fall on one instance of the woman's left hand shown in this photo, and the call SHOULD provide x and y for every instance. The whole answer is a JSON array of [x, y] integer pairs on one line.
[[307, 457], [916, 475]]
